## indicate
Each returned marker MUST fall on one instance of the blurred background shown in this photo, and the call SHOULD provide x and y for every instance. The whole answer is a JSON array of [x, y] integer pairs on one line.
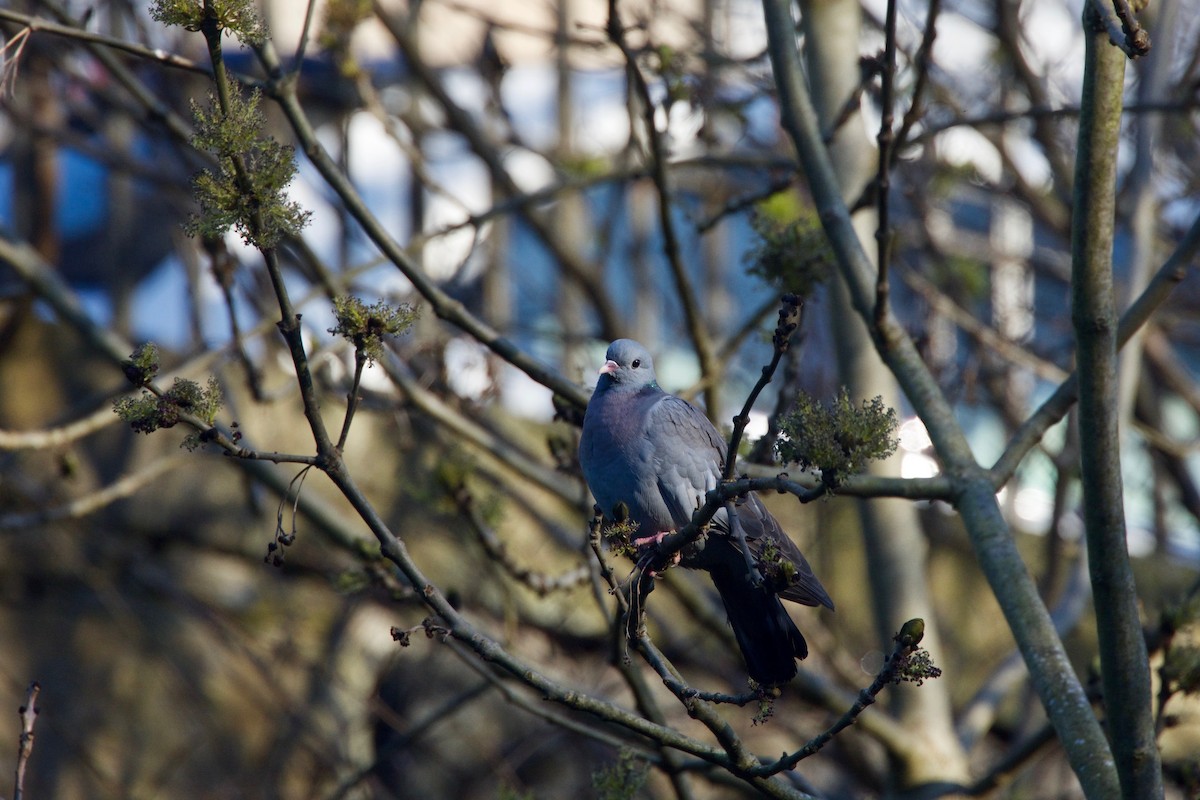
[[505, 146]]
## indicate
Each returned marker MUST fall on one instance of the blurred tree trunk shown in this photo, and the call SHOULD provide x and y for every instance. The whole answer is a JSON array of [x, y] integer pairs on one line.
[[569, 216], [1154, 77], [895, 544], [35, 199]]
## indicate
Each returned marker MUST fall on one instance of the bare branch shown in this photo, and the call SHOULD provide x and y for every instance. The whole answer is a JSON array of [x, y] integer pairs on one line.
[[539, 582], [789, 321], [883, 181], [1124, 664], [442, 304], [1170, 274], [1055, 678], [1122, 27], [90, 503], [57, 437], [894, 670], [685, 290], [29, 714], [36, 24]]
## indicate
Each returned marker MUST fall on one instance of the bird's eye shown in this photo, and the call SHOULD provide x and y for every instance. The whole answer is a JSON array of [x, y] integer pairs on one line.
[[637, 362]]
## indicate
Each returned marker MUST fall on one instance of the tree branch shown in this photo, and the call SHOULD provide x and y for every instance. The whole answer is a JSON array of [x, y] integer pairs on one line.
[[1055, 407], [1125, 667], [29, 714], [82, 506], [685, 290], [443, 305], [1054, 675], [893, 671]]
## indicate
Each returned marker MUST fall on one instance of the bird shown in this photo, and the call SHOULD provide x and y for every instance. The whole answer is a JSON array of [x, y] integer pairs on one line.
[[653, 456]]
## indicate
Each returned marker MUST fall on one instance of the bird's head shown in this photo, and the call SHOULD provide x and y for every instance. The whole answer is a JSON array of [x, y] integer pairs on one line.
[[628, 365]]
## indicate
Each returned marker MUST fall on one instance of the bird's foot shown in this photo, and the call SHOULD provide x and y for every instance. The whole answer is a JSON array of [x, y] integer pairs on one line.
[[645, 541]]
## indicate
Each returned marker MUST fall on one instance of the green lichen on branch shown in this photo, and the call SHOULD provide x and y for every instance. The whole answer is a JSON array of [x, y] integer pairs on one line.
[[765, 706], [1180, 671], [619, 531], [238, 17], [623, 779], [142, 365], [793, 252], [912, 663], [246, 190], [837, 439], [671, 66], [341, 20], [917, 667], [151, 412], [367, 325], [777, 569], [619, 537]]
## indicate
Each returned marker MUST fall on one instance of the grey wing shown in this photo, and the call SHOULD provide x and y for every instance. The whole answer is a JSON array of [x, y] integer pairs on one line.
[[689, 454]]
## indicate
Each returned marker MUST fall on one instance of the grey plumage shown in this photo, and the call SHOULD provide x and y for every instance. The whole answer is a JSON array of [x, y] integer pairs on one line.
[[659, 455]]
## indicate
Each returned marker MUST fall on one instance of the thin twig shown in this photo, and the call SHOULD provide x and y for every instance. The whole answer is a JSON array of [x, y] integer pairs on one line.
[[883, 179], [988, 338], [868, 68], [29, 713], [916, 109], [57, 437], [744, 201], [1122, 27], [538, 707], [789, 321], [40, 24], [285, 538], [685, 290], [539, 582], [441, 303], [353, 396], [487, 441], [82, 506], [305, 35], [589, 278], [1169, 275], [745, 764], [222, 267], [1039, 113], [601, 575], [907, 642]]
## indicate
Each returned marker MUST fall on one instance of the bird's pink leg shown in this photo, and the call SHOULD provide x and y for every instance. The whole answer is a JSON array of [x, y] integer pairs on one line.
[[655, 539]]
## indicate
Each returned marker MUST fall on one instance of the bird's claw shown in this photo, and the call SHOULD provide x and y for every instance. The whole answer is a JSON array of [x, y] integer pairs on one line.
[[655, 539]]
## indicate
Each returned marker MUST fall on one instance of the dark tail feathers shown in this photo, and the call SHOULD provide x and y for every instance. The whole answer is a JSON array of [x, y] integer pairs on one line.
[[769, 640]]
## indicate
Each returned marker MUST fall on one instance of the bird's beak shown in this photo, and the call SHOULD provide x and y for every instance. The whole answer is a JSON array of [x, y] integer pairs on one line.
[[609, 368]]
